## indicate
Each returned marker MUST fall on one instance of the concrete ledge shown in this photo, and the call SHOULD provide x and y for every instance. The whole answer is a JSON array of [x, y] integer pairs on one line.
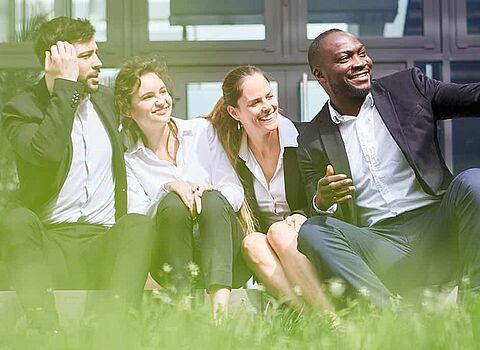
[[71, 305]]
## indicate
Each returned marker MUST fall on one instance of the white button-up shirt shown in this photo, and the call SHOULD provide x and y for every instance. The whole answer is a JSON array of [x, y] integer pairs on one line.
[[271, 197], [88, 194], [385, 183], [200, 159]]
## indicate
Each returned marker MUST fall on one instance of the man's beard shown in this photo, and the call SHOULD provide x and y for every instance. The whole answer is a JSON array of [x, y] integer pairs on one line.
[[351, 91]]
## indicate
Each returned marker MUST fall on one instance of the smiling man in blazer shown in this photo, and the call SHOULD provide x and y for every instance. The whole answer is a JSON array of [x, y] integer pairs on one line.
[[70, 230], [391, 216]]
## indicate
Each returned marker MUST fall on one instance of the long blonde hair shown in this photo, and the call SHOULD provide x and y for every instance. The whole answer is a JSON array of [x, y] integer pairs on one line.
[[229, 131]]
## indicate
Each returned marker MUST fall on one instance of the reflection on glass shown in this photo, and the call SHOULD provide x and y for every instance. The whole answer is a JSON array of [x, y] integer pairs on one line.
[[316, 98], [473, 16], [96, 12], [108, 75], [201, 97], [177, 20], [387, 18], [20, 18], [466, 143]]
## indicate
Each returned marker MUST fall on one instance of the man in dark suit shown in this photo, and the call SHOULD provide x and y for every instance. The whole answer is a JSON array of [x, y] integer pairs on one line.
[[68, 229], [392, 217]]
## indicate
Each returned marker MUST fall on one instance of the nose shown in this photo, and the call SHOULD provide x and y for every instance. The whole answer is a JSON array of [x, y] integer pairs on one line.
[[159, 100], [267, 107], [358, 62], [97, 63]]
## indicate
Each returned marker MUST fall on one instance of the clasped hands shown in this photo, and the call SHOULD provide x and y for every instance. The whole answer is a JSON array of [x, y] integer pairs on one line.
[[190, 193], [333, 188]]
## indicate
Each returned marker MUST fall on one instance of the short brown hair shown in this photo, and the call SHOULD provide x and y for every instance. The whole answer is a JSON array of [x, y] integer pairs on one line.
[[61, 29]]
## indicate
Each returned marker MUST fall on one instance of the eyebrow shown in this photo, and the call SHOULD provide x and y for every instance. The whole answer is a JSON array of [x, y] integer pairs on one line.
[[151, 92], [259, 98], [86, 53]]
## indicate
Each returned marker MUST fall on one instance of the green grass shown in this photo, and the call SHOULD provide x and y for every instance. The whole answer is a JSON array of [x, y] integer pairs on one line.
[[171, 326]]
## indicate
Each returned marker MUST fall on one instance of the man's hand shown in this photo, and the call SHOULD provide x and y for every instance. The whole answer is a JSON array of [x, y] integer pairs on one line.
[[333, 189], [61, 62]]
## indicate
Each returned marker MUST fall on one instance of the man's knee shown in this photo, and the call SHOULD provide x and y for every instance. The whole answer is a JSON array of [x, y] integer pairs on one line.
[[19, 224], [137, 226], [468, 179]]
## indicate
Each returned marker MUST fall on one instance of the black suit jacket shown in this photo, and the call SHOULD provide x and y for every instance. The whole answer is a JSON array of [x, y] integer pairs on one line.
[[294, 187], [409, 104], [38, 127]]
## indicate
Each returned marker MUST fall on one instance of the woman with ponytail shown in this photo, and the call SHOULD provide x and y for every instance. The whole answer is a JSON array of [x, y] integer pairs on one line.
[[178, 173], [261, 145]]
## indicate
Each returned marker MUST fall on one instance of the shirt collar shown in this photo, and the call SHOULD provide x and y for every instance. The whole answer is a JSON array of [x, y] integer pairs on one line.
[[287, 135], [338, 118]]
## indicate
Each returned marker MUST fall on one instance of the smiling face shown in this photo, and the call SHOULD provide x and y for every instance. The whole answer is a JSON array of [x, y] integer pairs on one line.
[[151, 104], [345, 68], [257, 107], [89, 64]]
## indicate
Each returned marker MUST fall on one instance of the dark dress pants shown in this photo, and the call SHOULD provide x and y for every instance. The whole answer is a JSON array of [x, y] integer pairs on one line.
[[430, 245], [41, 257], [216, 249]]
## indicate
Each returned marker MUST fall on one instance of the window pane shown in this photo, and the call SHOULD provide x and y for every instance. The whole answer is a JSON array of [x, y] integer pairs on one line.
[[466, 143], [19, 19], [387, 18], [177, 20], [316, 98], [473, 16], [96, 12], [201, 97]]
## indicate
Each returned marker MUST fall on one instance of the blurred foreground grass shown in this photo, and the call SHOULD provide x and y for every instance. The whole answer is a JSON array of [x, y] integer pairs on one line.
[[167, 324]]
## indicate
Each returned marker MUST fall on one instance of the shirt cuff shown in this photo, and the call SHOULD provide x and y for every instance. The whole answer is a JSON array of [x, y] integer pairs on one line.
[[329, 211]]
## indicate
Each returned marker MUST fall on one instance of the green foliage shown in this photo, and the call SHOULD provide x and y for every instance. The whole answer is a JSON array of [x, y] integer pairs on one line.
[[175, 325]]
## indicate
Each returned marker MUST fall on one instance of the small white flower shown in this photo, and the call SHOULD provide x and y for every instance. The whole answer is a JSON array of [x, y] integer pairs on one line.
[[337, 287], [193, 269], [167, 268], [364, 292]]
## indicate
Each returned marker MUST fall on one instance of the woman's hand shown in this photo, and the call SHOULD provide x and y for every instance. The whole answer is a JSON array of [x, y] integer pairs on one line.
[[190, 194], [295, 220]]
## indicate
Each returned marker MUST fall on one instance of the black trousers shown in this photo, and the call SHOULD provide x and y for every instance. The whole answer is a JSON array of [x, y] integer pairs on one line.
[[431, 245], [216, 248], [75, 256]]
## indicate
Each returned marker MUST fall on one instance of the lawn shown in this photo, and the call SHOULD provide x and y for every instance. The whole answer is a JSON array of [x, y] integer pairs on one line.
[[168, 324]]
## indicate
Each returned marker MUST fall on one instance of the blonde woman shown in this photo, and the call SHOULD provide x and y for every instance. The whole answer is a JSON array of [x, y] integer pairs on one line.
[[261, 145]]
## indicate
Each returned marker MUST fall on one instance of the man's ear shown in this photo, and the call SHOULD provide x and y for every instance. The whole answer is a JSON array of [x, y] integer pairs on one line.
[[318, 74], [233, 112]]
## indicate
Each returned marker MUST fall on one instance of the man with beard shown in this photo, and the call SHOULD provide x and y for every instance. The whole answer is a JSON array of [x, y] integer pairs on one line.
[[68, 229], [392, 217]]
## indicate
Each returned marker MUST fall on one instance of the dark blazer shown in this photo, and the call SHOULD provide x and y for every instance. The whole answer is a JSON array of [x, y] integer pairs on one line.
[[38, 127], [294, 188], [409, 104]]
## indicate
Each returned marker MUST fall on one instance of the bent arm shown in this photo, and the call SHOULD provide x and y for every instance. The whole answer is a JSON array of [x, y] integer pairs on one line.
[[38, 136]]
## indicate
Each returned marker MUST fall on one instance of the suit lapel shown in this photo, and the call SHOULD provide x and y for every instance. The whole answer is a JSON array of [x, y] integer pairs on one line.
[[333, 143], [386, 109], [337, 156], [291, 177]]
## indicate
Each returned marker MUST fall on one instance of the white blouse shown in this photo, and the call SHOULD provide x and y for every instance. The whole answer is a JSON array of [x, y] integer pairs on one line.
[[200, 159]]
